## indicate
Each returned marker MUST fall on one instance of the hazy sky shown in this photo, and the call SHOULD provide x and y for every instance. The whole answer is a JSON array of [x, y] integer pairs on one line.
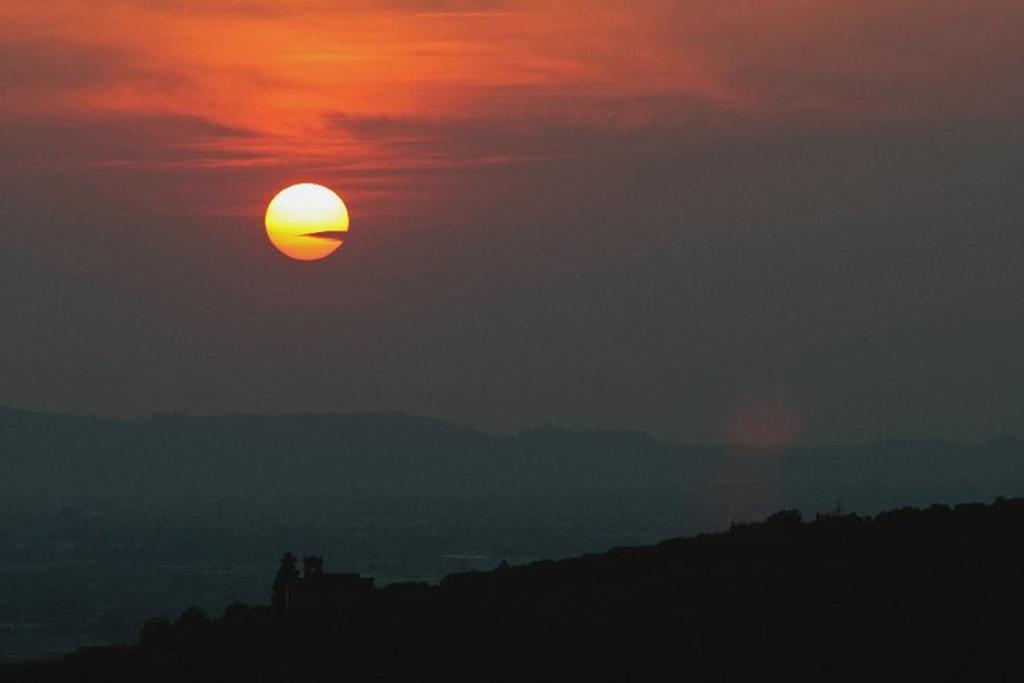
[[760, 220]]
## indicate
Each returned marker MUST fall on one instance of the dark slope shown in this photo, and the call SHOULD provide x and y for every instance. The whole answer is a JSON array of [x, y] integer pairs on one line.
[[907, 595]]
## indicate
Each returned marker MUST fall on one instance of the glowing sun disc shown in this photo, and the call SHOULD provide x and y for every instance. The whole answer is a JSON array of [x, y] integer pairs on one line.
[[306, 221]]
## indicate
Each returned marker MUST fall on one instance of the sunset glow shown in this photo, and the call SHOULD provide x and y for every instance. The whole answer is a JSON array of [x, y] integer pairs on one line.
[[707, 220], [374, 94], [306, 221]]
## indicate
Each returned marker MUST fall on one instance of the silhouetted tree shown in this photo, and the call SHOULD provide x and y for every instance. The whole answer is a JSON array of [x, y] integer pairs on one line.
[[155, 633], [287, 572], [191, 619], [313, 565], [784, 519], [237, 614]]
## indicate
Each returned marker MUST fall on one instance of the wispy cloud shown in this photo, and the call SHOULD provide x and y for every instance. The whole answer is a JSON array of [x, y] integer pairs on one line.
[[438, 84]]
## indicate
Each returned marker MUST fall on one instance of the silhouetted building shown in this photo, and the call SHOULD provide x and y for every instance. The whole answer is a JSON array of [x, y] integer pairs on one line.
[[316, 589]]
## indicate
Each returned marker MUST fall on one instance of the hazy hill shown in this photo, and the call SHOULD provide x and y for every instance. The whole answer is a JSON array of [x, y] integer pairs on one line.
[[307, 465]]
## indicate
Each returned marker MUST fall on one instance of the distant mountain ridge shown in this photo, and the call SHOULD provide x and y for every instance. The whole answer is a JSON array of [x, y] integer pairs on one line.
[[180, 462]]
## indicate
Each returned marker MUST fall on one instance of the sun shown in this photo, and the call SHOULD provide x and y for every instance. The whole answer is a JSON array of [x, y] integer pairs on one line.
[[307, 221]]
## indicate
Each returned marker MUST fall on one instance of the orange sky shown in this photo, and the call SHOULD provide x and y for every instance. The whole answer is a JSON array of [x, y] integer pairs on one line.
[[697, 217], [384, 87]]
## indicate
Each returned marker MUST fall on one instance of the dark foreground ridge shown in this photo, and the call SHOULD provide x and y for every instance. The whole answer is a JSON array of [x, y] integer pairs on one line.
[[931, 594]]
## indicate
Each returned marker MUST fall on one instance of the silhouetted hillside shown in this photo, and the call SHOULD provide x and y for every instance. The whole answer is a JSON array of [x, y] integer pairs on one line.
[[106, 521], [909, 594]]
